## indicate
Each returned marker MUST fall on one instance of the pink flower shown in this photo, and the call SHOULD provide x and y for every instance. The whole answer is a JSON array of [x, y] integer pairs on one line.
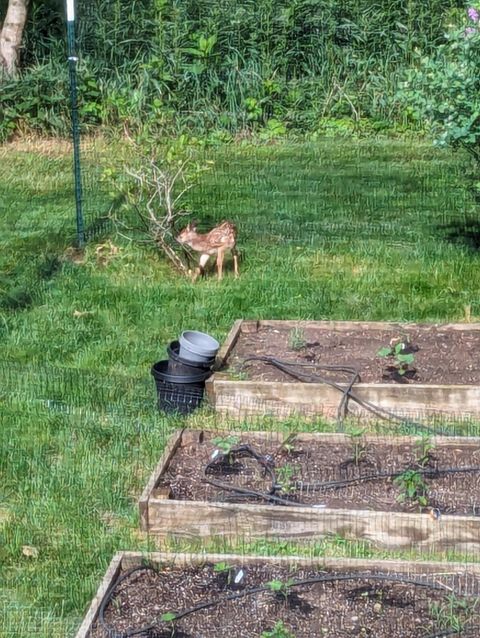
[[473, 14]]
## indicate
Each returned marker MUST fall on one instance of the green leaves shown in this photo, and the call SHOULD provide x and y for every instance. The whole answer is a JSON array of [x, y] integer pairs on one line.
[[444, 89], [397, 351], [169, 616], [412, 486], [221, 567], [278, 631], [225, 444], [384, 352]]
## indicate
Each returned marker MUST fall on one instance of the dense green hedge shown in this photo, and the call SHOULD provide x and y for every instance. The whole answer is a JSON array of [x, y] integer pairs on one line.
[[228, 65]]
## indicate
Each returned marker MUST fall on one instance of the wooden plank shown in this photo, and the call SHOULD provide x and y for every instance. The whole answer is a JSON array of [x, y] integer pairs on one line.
[[189, 520], [111, 575], [129, 560], [228, 344], [332, 438], [237, 398], [342, 326], [135, 559], [171, 447]]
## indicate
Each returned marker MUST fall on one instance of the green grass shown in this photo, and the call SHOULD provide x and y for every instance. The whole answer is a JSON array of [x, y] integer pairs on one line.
[[337, 230]]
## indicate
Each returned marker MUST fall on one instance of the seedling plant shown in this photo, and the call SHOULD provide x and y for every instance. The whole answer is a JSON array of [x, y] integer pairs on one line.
[[285, 476], [278, 631], [281, 588], [402, 360], [358, 444], [412, 486], [296, 339], [225, 444]]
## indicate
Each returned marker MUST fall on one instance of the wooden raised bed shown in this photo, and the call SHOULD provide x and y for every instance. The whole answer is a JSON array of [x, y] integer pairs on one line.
[[464, 577], [165, 518], [255, 396]]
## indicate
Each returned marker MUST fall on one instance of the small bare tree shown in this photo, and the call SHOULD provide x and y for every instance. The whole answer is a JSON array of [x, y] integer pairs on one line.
[[153, 183]]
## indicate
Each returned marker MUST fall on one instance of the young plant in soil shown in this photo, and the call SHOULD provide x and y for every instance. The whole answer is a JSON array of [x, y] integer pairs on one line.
[[281, 588], [225, 445], [224, 569], [279, 631], [169, 617], [296, 339], [285, 476], [359, 445], [229, 576], [288, 445], [412, 486], [423, 451], [454, 614], [400, 351]]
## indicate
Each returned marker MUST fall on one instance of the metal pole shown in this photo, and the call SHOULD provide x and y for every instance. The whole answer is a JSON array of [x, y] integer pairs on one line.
[[72, 67]]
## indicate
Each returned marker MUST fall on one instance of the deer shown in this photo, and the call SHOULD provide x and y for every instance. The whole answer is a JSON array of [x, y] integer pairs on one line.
[[216, 242]]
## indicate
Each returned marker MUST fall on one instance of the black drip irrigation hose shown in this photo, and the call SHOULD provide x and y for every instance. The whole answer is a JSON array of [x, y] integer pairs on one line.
[[266, 462], [431, 473], [324, 578], [345, 390], [112, 633]]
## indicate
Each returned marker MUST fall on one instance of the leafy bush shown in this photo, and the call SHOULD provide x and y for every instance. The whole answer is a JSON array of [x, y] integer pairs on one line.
[[444, 88], [38, 100]]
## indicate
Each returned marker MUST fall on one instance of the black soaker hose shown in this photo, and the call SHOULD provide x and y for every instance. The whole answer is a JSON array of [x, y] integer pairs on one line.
[[345, 390]]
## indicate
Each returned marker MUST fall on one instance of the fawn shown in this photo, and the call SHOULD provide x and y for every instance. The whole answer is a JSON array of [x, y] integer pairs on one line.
[[220, 239]]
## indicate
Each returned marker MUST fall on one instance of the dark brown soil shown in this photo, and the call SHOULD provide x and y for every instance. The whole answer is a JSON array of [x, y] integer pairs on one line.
[[441, 356], [337, 609], [301, 469]]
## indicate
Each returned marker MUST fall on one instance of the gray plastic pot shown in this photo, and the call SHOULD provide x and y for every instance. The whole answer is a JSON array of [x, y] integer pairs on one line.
[[197, 346]]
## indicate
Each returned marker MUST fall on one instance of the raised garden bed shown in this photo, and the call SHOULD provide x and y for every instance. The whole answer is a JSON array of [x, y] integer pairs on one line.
[[394, 492], [207, 596], [442, 376]]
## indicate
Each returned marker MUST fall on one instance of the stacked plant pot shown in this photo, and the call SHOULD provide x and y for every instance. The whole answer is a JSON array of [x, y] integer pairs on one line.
[[180, 379]]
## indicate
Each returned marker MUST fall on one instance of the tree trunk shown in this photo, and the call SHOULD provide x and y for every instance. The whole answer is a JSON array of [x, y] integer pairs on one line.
[[11, 35]]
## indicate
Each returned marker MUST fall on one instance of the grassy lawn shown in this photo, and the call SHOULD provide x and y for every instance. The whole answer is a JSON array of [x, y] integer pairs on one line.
[[337, 230]]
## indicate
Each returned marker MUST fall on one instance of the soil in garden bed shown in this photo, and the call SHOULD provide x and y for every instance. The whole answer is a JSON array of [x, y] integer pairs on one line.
[[300, 470], [354, 607], [441, 356]]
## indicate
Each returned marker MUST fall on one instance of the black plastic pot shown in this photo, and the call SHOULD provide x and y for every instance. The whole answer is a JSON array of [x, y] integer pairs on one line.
[[180, 393], [177, 365]]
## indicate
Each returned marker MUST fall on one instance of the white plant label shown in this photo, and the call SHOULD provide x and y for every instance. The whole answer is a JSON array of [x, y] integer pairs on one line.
[[239, 576]]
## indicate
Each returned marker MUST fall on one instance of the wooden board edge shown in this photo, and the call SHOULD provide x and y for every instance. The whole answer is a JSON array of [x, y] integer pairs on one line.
[[345, 437], [110, 575], [277, 510], [224, 381], [356, 564], [367, 325], [228, 344], [171, 447]]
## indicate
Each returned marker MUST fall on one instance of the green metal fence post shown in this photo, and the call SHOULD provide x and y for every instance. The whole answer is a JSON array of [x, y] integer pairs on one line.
[[72, 67]]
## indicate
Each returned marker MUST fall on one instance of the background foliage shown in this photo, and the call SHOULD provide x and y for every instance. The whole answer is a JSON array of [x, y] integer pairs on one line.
[[225, 65], [444, 88]]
